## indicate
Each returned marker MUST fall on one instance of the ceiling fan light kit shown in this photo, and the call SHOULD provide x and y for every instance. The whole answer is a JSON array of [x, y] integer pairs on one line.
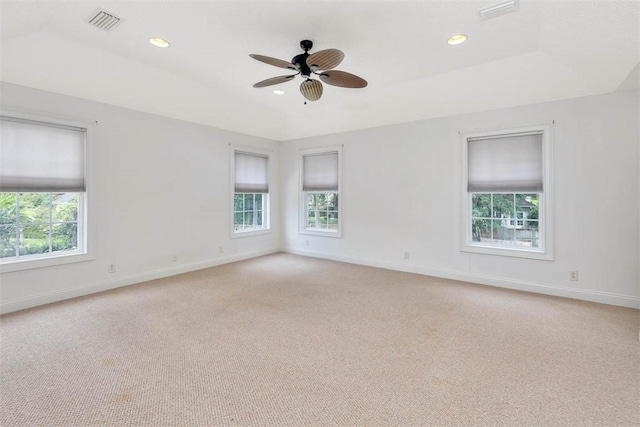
[[320, 63]]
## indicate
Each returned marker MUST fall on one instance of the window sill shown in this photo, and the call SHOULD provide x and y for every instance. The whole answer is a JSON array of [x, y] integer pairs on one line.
[[320, 232], [44, 261], [509, 252], [256, 232]]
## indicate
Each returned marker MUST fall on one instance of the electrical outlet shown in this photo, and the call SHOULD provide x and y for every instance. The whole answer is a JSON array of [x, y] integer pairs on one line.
[[220, 249], [573, 276], [174, 258], [308, 243], [111, 268], [407, 255]]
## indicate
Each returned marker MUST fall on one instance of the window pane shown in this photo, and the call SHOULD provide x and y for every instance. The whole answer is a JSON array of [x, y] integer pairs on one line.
[[480, 230], [527, 237], [503, 206], [64, 207], [7, 241], [34, 239], [248, 202], [332, 201], [64, 236], [248, 219], [7, 208], [528, 204], [322, 201], [311, 201], [34, 207], [259, 201], [498, 231], [259, 218], [481, 205], [238, 219], [323, 219], [333, 220], [238, 202], [311, 219]]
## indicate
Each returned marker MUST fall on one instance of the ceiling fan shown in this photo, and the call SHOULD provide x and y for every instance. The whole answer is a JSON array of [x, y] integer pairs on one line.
[[319, 63]]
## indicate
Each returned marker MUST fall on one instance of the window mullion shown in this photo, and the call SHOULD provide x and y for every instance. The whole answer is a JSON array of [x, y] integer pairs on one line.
[[17, 245], [491, 221], [50, 225], [255, 209], [243, 212]]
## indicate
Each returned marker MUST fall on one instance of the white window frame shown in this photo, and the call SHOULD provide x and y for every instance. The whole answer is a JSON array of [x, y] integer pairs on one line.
[[86, 221], [302, 221], [546, 198], [266, 200]]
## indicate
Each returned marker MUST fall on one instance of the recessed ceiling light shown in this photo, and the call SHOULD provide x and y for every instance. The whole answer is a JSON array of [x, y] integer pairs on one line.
[[278, 92], [158, 42], [457, 39]]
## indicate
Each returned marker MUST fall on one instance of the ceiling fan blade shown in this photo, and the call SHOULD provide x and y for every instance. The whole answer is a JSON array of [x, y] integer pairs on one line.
[[273, 61], [342, 79], [274, 81], [311, 89], [325, 59]]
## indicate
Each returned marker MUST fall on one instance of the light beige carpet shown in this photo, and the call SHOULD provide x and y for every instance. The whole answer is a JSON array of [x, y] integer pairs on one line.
[[288, 340]]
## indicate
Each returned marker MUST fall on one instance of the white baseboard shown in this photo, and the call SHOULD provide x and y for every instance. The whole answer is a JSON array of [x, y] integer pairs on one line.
[[521, 285], [104, 285]]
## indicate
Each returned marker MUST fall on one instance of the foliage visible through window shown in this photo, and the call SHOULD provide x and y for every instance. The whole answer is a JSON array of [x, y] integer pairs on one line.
[[248, 211], [506, 219], [38, 223], [322, 211]]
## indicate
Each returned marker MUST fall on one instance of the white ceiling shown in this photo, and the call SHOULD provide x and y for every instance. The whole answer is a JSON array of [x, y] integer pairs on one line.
[[547, 50]]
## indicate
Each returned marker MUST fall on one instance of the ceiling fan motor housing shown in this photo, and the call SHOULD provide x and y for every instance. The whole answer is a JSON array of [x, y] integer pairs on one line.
[[300, 61]]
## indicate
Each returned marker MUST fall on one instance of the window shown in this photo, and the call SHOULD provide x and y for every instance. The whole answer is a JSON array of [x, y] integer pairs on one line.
[[38, 223], [507, 192], [248, 212], [250, 192], [505, 219], [320, 210], [43, 193]]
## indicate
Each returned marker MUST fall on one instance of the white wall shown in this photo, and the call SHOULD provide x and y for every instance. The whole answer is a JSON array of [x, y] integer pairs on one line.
[[161, 189], [402, 193]]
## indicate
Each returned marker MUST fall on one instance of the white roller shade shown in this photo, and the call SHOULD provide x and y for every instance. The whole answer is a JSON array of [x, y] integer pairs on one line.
[[510, 163], [320, 172], [41, 157], [251, 173]]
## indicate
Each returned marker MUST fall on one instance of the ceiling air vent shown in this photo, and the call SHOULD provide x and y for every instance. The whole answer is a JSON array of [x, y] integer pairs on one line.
[[103, 20], [498, 9]]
